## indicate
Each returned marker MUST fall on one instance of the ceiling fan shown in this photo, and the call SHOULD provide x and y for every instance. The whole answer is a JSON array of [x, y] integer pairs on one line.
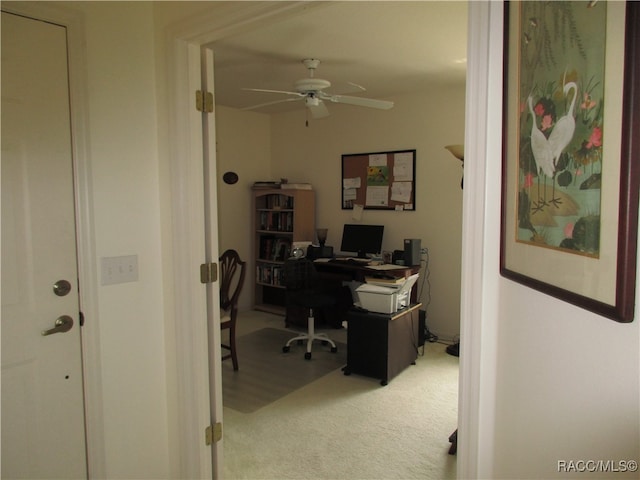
[[311, 90]]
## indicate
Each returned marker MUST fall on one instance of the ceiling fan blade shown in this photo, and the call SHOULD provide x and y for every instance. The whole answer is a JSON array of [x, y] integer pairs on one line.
[[253, 107], [297, 94], [359, 101], [358, 87], [319, 110]]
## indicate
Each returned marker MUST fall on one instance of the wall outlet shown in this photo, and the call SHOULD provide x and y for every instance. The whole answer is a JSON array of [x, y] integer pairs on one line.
[[119, 269]]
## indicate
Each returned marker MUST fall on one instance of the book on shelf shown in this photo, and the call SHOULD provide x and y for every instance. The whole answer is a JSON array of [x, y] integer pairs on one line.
[[282, 249], [269, 274], [276, 221], [277, 202], [266, 247], [296, 186], [274, 249]]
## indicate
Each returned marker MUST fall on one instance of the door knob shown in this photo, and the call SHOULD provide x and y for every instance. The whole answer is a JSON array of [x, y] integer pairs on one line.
[[63, 324]]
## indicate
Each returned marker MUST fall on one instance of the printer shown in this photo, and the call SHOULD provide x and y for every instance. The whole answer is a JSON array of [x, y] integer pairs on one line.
[[380, 298]]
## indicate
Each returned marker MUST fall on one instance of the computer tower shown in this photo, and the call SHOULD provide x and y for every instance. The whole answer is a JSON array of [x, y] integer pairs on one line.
[[412, 251]]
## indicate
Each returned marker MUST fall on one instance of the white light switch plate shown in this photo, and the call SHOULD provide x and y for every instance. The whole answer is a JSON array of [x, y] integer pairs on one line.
[[119, 269]]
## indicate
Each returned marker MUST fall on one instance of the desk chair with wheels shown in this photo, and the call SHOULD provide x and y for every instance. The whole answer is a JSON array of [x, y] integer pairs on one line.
[[232, 272], [300, 278]]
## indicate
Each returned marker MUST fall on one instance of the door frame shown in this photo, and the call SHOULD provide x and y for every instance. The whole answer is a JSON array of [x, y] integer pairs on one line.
[[198, 360], [479, 302], [74, 23]]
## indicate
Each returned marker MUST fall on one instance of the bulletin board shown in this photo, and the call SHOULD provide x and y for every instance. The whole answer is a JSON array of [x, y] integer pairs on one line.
[[379, 180]]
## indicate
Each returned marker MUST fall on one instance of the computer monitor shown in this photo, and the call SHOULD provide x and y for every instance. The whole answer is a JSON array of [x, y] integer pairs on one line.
[[362, 239]]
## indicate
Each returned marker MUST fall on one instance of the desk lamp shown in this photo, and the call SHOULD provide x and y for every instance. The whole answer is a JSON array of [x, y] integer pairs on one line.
[[322, 236], [321, 251]]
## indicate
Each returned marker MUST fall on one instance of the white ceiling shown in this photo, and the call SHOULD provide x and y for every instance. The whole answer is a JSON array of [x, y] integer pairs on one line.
[[389, 47]]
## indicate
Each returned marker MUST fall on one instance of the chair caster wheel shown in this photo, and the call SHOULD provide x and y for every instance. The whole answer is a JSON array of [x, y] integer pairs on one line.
[[285, 349], [334, 349], [307, 356]]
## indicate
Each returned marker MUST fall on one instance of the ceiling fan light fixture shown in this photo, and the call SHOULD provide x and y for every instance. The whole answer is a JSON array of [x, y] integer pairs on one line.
[[312, 101], [311, 89], [311, 84]]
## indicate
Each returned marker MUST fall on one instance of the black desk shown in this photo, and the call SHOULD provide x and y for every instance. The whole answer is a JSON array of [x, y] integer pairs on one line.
[[381, 345], [342, 270], [332, 274]]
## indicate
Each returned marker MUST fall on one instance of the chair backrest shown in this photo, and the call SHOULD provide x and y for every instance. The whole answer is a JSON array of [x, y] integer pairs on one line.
[[299, 274], [232, 273]]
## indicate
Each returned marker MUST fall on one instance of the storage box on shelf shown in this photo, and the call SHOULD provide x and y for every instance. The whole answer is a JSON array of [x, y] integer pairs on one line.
[[280, 217]]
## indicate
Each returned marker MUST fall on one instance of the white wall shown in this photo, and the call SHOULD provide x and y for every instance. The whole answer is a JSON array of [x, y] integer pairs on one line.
[[569, 379], [127, 216], [243, 147]]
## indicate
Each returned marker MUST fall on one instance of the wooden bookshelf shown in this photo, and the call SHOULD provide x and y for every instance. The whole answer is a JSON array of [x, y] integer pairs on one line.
[[279, 218]]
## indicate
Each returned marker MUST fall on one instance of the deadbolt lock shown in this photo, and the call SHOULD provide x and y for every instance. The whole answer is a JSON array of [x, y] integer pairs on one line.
[[61, 288]]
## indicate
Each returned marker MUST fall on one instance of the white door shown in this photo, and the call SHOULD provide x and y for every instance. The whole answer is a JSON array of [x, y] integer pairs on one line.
[[211, 255], [43, 433], [195, 214]]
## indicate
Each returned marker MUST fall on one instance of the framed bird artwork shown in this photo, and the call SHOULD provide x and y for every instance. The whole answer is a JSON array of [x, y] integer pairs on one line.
[[570, 189]]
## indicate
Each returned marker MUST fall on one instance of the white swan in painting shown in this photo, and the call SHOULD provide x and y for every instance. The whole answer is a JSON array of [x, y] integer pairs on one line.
[[565, 127], [540, 146]]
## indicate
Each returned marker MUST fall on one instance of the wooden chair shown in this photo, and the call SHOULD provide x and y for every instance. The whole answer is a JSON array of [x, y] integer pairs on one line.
[[232, 273]]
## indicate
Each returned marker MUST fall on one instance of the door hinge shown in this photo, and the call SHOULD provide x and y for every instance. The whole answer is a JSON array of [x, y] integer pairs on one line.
[[213, 433], [208, 272], [204, 101]]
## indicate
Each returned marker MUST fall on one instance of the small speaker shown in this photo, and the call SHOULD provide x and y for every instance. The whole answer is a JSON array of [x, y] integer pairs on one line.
[[412, 251], [397, 255]]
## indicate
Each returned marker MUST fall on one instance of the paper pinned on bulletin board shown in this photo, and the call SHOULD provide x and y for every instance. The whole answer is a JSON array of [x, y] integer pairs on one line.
[[401, 191], [356, 213], [350, 190]]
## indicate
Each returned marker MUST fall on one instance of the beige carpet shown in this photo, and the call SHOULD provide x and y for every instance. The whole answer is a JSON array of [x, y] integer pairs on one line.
[[266, 374], [350, 427]]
